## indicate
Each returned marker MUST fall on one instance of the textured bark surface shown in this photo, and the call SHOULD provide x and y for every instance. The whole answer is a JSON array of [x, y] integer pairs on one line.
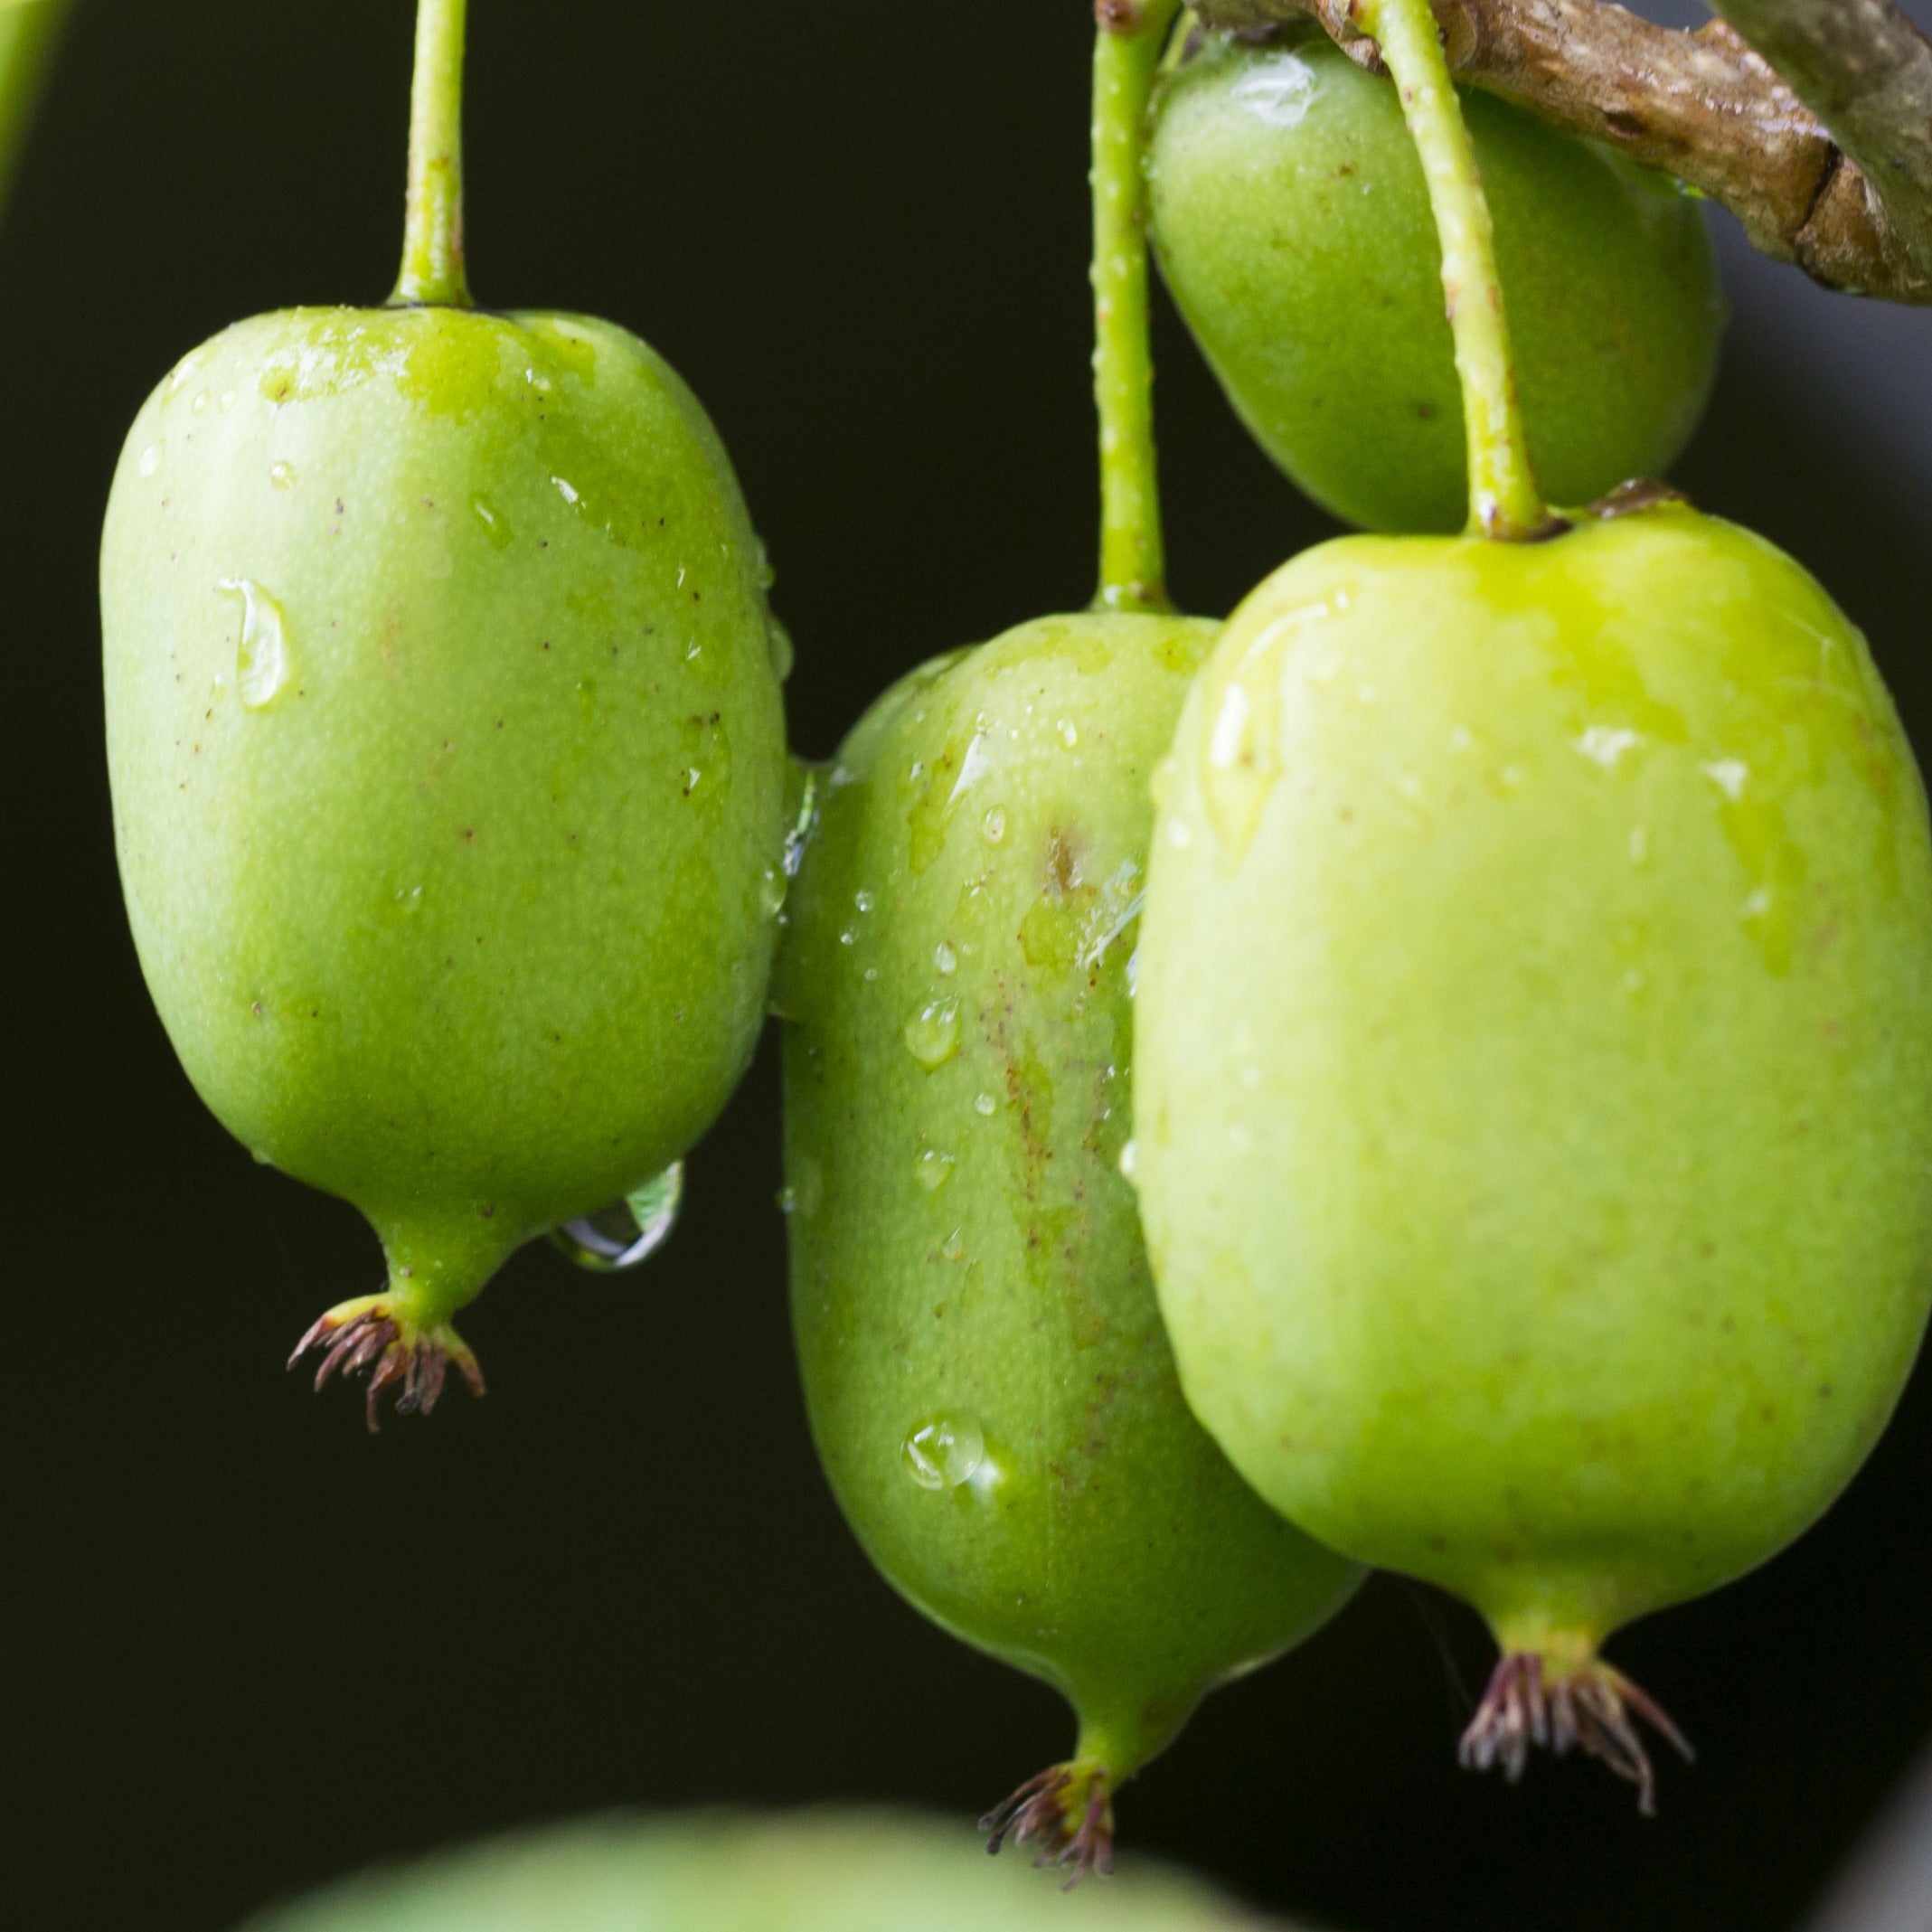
[[1711, 110]]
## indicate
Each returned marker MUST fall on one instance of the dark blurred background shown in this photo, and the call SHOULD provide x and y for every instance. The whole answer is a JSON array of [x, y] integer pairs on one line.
[[243, 1646]]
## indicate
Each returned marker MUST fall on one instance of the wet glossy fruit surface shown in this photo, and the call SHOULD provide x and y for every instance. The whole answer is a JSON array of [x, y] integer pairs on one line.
[[1540, 1206], [1293, 226], [989, 1386], [810, 1872], [447, 762]]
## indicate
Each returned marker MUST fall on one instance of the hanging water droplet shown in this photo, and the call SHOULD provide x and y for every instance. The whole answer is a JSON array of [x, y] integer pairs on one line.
[[767, 576], [932, 1033], [945, 1452], [261, 656], [629, 1231], [934, 1168], [944, 960], [807, 780]]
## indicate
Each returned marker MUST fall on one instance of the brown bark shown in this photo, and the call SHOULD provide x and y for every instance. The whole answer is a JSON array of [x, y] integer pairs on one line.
[[1708, 108]]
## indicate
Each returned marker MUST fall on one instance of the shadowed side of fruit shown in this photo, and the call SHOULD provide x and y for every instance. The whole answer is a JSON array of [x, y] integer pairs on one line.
[[1293, 225], [989, 1386], [447, 746]]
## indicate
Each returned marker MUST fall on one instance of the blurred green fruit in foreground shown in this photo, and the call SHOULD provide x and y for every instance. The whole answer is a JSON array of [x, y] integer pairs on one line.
[[709, 1871], [1293, 225], [447, 754], [1540, 1204], [989, 1386]]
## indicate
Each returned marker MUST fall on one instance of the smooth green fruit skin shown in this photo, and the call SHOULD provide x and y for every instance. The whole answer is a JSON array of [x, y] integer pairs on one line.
[[719, 1871], [1293, 226], [470, 920], [965, 1255], [1534, 1056]]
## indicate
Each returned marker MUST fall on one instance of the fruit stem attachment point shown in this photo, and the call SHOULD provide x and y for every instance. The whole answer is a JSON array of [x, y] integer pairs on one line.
[[1505, 502], [1534, 1700], [434, 271], [1132, 37], [1068, 1810]]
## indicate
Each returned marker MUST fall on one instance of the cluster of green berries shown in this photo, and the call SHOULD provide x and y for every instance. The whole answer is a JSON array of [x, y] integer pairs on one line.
[[1435, 1073]]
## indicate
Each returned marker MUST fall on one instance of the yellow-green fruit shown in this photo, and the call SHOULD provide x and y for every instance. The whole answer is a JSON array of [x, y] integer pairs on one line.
[[810, 1872], [988, 1382], [448, 769], [1534, 1063], [1293, 225]]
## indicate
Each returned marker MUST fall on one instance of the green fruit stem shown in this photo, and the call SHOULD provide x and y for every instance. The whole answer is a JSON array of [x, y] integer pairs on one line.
[[29, 34], [1133, 36], [434, 273], [1505, 502]]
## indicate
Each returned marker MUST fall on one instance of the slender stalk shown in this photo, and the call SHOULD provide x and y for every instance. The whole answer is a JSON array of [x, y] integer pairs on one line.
[[433, 268], [29, 34], [1126, 56], [1503, 500]]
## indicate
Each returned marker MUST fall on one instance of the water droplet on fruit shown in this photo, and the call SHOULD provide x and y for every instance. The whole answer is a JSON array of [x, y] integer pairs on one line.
[[864, 900], [567, 491], [201, 402], [986, 1106], [945, 1452], [496, 525], [1130, 1159], [283, 476], [767, 576], [1277, 91], [409, 898], [932, 1034], [779, 647], [1069, 733], [944, 960], [1243, 760], [772, 889], [954, 1248], [228, 400], [994, 825], [1606, 744], [934, 1168], [152, 459], [261, 656], [1729, 775], [629, 1231]]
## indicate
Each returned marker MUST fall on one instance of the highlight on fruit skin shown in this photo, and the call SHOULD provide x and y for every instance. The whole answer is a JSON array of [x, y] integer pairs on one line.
[[1538, 1207]]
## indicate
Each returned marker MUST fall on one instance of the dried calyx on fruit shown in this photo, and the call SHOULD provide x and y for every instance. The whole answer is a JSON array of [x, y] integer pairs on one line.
[[990, 1389], [1538, 1202], [448, 751]]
